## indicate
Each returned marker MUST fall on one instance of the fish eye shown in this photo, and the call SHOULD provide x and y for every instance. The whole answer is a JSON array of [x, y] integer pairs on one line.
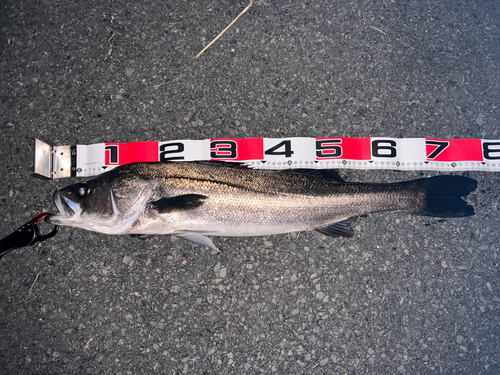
[[82, 190]]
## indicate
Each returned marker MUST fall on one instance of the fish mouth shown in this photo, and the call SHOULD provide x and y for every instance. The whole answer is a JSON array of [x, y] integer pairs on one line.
[[66, 212]]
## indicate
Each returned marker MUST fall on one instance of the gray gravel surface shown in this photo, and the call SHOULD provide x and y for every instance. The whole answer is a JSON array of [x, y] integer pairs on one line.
[[406, 295]]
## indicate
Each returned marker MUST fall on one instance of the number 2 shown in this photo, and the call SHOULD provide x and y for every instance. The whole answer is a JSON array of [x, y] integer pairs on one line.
[[179, 147]]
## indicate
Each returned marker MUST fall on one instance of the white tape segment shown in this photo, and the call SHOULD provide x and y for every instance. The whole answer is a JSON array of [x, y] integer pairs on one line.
[[426, 154]]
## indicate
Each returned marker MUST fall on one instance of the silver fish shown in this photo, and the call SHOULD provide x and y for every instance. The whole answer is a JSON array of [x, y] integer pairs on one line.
[[192, 200]]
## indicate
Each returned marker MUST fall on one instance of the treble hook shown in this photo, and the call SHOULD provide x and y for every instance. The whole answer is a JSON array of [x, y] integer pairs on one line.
[[27, 235]]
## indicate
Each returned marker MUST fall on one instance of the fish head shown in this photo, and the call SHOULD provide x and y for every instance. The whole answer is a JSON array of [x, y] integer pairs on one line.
[[110, 203]]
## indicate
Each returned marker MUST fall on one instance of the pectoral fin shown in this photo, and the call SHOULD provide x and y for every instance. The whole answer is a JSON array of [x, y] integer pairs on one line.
[[180, 202], [340, 229], [198, 238]]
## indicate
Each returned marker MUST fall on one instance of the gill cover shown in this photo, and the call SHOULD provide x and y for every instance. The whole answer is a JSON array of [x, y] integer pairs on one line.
[[109, 204]]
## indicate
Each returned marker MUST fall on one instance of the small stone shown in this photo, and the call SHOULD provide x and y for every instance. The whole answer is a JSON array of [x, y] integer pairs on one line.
[[128, 261], [488, 285], [175, 289], [211, 351], [323, 362], [223, 272]]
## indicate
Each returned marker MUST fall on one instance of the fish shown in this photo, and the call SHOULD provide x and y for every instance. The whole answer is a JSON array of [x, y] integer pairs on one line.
[[193, 200]]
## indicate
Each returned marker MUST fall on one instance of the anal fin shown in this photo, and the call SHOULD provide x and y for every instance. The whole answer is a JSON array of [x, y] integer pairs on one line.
[[340, 229]]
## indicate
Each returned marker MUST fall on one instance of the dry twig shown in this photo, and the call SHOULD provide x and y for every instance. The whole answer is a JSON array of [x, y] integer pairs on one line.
[[375, 28], [32, 285], [223, 31]]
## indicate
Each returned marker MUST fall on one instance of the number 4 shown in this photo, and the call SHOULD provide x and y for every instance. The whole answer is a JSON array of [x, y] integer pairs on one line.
[[287, 145]]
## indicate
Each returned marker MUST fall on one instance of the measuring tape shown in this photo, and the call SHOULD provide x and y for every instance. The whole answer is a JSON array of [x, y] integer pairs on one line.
[[407, 154]]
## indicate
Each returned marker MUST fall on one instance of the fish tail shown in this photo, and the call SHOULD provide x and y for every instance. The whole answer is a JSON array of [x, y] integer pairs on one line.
[[443, 196]]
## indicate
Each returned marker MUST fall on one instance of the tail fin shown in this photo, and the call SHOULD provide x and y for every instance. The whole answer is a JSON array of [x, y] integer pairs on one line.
[[443, 196]]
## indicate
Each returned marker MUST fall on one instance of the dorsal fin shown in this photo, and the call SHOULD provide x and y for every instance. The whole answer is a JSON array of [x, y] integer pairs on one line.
[[328, 174], [223, 163]]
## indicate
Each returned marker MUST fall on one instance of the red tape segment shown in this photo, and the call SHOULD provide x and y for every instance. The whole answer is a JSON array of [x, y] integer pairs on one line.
[[455, 150]]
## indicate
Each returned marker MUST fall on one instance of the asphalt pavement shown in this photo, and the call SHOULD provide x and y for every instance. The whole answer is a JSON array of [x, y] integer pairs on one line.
[[405, 295]]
